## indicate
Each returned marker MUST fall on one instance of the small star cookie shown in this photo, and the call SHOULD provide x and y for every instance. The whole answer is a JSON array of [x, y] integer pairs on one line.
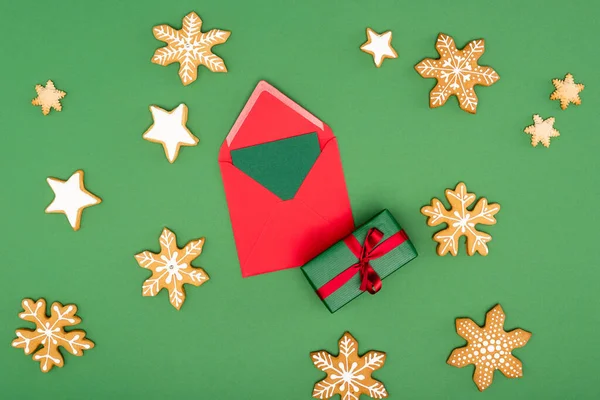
[[489, 348], [541, 131], [48, 97], [190, 47], [379, 46], [567, 91], [70, 198], [170, 130]]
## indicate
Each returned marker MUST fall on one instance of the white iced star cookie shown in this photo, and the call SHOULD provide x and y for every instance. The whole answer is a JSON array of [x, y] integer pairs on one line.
[[379, 46], [169, 130], [70, 198]]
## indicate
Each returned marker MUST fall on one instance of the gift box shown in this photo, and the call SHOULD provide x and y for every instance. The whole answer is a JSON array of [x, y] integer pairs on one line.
[[359, 262]]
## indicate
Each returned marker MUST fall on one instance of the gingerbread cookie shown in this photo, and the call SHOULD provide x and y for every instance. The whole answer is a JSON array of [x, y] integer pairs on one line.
[[461, 221], [457, 72], [489, 348], [541, 131], [348, 374], [567, 91], [71, 198], [172, 268], [379, 46], [49, 333], [170, 130], [190, 47], [48, 97]]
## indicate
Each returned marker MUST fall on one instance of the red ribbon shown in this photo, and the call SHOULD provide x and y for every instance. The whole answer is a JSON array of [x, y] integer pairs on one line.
[[370, 250]]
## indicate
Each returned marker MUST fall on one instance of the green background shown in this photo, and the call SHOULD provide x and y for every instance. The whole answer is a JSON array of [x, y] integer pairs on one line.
[[250, 338]]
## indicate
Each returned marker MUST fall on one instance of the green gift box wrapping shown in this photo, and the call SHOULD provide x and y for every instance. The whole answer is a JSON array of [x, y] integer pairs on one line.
[[336, 274]]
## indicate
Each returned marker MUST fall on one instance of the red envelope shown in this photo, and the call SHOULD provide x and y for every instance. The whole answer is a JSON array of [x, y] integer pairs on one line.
[[272, 234]]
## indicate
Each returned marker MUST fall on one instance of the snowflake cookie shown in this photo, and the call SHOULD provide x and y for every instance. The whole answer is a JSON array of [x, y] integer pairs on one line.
[[457, 72], [170, 130], [190, 47], [172, 268], [541, 131], [489, 348], [379, 46], [461, 221], [348, 374], [49, 333], [48, 97], [567, 91]]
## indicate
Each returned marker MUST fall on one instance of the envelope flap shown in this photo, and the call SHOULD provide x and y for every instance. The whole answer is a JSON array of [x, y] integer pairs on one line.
[[270, 115]]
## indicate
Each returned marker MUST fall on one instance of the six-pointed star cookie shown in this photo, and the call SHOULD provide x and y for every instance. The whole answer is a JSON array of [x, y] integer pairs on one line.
[[169, 130], [48, 97], [379, 46], [190, 47], [172, 268], [349, 374], [489, 348], [567, 91], [70, 198], [457, 72], [541, 131]]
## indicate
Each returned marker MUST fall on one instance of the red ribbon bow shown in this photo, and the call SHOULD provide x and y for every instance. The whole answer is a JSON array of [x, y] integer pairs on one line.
[[370, 250], [370, 280]]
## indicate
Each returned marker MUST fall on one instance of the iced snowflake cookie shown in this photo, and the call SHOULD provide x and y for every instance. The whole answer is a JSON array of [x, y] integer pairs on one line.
[[71, 198], [379, 46], [461, 221], [541, 131], [49, 333], [170, 130], [348, 374], [48, 97], [171, 268], [457, 72], [190, 47], [489, 348], [567, 91]]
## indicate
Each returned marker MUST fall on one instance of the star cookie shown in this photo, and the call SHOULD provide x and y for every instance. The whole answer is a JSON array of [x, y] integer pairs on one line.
[[541, 131], [48, 97], [190, 47], [457, 72], [567, 91], [489, 348], [172, 268], [348, 374], [379, 46], [169, 129], [70, 198]]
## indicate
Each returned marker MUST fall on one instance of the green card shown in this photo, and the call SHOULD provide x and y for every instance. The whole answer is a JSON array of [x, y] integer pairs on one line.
[[280, 166]]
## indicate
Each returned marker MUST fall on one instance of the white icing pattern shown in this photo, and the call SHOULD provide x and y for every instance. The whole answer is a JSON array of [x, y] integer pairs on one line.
[[457, 72], [50, 334], [489, 348], [348, 374]]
